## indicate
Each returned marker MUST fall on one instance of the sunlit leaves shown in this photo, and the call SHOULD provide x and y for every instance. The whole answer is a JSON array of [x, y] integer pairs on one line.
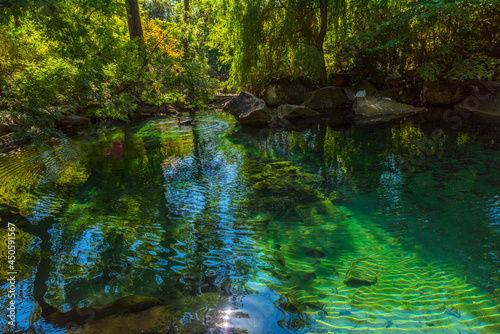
[[439, 39]]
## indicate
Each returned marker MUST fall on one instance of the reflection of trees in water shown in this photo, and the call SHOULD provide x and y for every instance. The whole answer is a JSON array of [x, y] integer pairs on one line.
[[128, 210], [90, 246], [177, 212], [200, 190], [38, 182]]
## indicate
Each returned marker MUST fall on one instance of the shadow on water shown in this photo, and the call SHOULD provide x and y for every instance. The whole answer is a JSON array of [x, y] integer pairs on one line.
[[226, 228]]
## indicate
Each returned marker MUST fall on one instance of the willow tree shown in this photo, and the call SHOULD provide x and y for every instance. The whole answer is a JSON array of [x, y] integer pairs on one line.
[[311, 21], [261, 39]]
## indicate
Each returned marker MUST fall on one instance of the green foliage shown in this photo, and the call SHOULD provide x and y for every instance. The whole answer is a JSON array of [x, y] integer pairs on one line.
[[438, 38], [76, 57], [263, 39], [160, 9]]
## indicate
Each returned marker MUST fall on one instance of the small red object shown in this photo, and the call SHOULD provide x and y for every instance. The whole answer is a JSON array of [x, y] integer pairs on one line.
[[118, 148]]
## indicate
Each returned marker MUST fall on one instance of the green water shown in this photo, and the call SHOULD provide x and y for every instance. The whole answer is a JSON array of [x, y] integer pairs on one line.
[[245, 231]]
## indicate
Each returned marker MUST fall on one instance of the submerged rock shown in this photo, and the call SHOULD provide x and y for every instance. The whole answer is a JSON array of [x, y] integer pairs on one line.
[[260, 219], [160, 319], [362, 272], [344, 313], [371, 109], [123, 305], [308, 276], [316, 253], [453, 312], [289, 303], [316, 306], [278, 257], [249, 110], [320, 213]]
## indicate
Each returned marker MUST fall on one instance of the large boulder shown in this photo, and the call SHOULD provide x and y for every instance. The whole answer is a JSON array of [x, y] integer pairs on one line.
[[362, 272], [409, 93], [442, 92], [249, 110], [291, 112], [287, 90], [325, 99], [370, 109], [486, 107]]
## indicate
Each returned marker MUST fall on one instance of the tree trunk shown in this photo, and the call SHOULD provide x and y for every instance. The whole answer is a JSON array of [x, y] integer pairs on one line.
[[323, 78], [186, 21], [320, 40], [134, 19]]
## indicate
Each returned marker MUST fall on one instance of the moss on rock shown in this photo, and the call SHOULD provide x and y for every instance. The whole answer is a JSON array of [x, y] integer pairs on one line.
[[362, 272]]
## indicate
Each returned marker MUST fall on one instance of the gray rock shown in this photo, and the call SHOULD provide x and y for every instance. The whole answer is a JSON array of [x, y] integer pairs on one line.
[[393, 80], [325, 99], [442, 92], [287, 90], [403, 94], [487, 108], [290, 112], [249, 110], [371, 109]]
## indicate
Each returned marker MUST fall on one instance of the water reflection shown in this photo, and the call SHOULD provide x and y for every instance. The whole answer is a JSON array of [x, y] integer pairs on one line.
[[238, 229]]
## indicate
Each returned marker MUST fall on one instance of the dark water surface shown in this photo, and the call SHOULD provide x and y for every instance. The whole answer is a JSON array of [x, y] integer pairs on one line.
[[246, 231]]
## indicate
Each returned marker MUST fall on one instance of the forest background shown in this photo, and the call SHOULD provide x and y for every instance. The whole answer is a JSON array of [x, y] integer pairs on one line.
[[103, 58]]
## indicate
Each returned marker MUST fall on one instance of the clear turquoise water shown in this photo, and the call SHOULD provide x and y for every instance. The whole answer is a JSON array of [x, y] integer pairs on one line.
[[239, 229]]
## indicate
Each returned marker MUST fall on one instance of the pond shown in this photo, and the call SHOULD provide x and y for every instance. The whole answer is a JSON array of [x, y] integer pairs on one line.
[[214, 228]]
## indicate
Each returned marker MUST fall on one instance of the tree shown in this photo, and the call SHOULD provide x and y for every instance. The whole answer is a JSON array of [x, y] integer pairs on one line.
[[262, 39], [304, 13]]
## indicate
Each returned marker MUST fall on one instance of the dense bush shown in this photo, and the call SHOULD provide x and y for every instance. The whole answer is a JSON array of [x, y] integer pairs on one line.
[[76, 57], [445, 39]]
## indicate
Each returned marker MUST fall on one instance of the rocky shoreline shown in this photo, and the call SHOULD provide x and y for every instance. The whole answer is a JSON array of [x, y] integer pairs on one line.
[[286, 102], [293, 103]]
